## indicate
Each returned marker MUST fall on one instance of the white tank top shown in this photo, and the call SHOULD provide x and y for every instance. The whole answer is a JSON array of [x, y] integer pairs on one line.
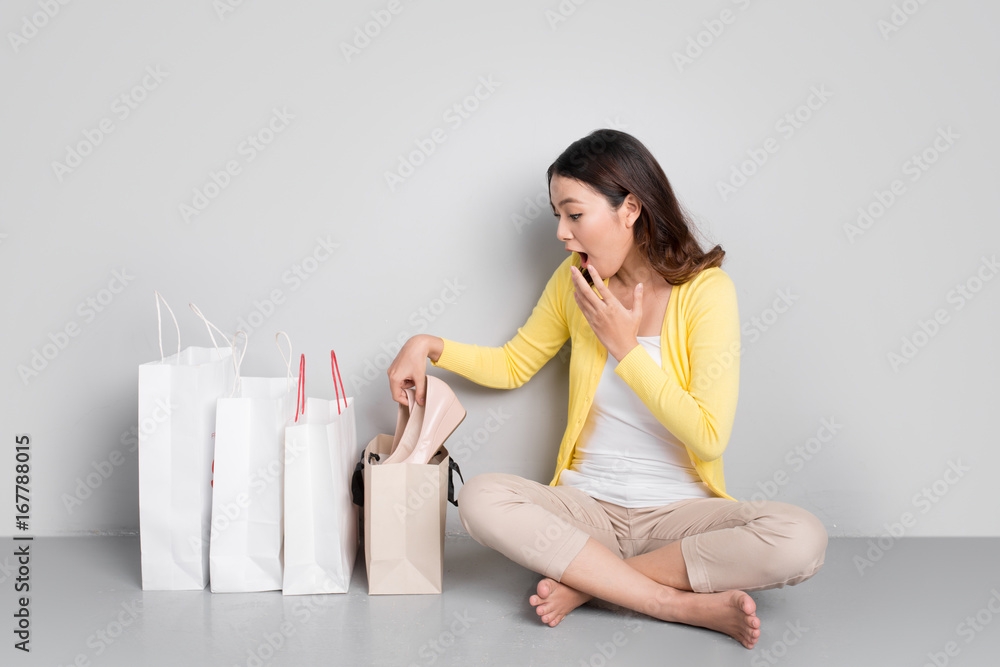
[[625, 455]]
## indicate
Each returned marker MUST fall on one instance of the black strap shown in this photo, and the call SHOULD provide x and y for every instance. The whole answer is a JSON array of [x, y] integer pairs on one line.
[[452, 469], [358, 480]]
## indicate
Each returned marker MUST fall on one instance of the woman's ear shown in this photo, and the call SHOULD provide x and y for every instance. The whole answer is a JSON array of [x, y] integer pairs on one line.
[[631, 208]]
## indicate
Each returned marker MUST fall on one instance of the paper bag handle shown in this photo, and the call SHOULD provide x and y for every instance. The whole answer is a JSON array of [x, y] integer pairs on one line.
[[209, 326], [238, 360], [336, 376], [157, 297], [288, 359], [300, 397]]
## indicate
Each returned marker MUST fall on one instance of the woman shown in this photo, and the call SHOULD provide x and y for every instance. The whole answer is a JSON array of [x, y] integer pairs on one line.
[[637, 513]]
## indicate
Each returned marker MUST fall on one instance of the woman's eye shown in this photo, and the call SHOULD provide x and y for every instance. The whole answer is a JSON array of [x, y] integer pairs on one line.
[[576, 215]]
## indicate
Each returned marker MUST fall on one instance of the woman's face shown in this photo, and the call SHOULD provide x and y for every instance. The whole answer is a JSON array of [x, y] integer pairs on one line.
[[589, 226]]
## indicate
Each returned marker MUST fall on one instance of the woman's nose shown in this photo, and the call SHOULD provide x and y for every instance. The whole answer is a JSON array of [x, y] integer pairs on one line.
[[562, 231]]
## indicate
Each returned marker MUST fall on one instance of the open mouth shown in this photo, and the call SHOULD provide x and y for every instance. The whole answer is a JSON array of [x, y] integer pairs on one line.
[[583, 268]]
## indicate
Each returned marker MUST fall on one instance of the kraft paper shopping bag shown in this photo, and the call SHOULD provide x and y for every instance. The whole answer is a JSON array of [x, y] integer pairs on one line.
[[405, 506]]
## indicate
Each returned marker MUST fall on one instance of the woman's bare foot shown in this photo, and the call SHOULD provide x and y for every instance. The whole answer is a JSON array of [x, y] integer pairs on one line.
[[731, 612], [555, 600]]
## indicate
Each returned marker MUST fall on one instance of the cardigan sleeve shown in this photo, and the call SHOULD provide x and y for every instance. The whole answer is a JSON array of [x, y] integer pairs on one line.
[[702, 414], [515, 362]]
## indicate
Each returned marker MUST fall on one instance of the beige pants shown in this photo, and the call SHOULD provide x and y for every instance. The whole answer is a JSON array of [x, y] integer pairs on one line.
[[726, 544]]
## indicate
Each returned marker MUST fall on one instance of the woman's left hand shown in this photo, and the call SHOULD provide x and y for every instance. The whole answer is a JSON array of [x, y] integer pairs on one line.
[[615, 325]]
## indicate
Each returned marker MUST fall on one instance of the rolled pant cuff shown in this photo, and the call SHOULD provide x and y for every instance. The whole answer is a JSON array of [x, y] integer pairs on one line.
[[564, 555], [697, 574]]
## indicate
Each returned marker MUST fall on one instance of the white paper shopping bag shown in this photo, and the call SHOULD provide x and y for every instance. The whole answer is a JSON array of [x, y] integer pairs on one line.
[[175, 459], [247, 486], [321, 522]]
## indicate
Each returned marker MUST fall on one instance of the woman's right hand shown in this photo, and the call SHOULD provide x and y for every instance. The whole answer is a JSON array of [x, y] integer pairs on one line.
[[409, 368]]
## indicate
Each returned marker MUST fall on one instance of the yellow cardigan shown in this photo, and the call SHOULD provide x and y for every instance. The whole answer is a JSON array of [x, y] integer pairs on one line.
[[693, 395]]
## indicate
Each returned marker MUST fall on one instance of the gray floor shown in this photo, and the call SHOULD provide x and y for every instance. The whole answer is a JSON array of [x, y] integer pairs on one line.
[[919, 601]]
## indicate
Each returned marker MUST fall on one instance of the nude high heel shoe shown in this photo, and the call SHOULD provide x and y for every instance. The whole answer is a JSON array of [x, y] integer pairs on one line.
[[426, 426], [409, 419]]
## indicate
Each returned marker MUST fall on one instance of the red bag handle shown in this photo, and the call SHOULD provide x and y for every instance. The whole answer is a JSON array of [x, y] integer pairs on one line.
[[300, 397], [336, 376]]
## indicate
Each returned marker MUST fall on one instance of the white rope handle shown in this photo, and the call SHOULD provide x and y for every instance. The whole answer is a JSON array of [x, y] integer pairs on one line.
[[288, 359], [159, 322], [209, 326], [238, 359]]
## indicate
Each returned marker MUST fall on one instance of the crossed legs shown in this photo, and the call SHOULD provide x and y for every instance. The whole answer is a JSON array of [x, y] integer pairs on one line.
[[689, 562]]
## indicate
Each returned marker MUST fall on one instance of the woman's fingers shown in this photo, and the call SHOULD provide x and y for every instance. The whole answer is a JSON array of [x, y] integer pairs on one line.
[[408, 369], [582, 288], [397, 387], [420, 385], [602, 289]]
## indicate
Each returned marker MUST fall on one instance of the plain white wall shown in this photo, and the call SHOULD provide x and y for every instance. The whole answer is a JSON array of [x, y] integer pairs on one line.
[[889, 81]]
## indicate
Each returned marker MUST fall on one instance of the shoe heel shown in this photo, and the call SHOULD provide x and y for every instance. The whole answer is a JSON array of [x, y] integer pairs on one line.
[[451, 420], [453, 415]]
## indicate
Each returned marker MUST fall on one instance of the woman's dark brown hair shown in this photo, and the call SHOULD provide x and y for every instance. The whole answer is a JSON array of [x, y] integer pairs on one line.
[[615, 164]]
